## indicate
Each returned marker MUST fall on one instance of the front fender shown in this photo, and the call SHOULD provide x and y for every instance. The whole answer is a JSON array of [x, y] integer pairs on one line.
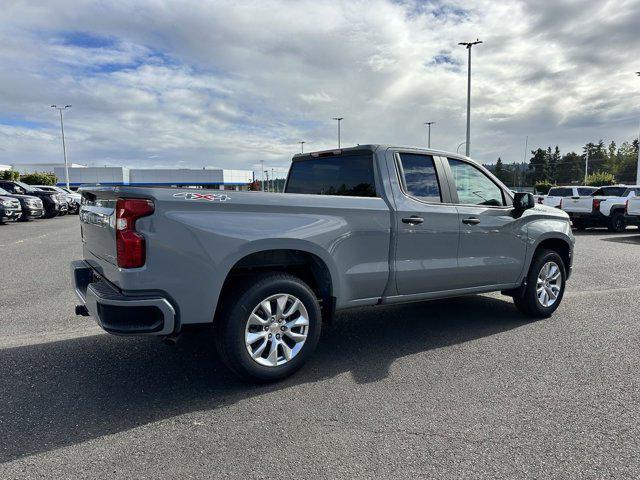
[[542, 229]]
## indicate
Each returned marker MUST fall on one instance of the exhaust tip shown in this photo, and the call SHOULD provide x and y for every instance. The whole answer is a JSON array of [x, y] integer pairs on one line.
[[171, 340]]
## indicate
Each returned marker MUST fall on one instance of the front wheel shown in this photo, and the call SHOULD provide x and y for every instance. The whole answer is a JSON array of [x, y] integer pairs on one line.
[[269, 329], [544, 288]]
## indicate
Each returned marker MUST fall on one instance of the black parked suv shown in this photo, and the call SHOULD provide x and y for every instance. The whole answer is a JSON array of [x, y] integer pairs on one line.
[[50, 200], [9, 208], [31, 206]]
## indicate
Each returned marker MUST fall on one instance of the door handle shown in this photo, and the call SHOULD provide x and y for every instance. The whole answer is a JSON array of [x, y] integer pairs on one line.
[[471, 221], [413, 220]]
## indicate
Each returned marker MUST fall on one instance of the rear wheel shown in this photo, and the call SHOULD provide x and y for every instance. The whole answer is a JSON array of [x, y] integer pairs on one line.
[[270, 328], [544, 288], [617, 222]]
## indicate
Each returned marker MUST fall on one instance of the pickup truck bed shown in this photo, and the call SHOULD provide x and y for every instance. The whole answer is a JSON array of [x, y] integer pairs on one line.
[[374, 225]]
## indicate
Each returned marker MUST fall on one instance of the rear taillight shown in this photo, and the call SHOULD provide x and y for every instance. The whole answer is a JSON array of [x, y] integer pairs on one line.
[[596, 204], [130, 244]]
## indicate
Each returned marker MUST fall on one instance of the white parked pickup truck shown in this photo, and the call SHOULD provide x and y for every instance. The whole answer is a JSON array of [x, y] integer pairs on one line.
[[604, 208], [633, 208], [556, 194]]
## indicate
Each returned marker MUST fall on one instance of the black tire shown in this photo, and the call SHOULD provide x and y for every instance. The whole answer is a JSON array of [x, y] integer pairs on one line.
[[579, 226], [617, 222], [233, 318], [526, 300]]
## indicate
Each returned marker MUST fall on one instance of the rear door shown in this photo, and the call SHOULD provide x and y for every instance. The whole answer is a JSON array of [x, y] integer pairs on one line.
[[492, 241], [427, 227]]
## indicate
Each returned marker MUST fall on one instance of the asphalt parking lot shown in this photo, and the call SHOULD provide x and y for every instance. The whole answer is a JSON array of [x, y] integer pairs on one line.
[[462, 388]]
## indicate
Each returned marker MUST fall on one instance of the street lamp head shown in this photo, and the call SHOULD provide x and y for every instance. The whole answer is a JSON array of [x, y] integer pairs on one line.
[[338, 118], [67, 106], [470, 44]]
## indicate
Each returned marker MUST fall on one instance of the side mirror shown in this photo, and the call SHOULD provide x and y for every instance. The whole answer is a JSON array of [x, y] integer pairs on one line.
[[523, 201]]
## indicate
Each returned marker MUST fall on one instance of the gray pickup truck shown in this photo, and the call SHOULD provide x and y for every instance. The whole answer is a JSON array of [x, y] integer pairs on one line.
[[369, 225]]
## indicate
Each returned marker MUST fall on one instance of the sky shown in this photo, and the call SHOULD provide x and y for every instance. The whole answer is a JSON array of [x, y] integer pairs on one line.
[[192, 83]]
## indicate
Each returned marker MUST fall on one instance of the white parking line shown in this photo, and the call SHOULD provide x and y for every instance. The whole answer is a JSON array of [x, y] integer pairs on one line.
[[25, 239]]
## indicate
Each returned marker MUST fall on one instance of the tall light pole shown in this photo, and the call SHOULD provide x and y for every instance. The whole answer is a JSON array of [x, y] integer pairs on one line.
[[339, 119], [468, 46], [428, 124], [64, 147], [638, 167], [302, 146], [586, 165]]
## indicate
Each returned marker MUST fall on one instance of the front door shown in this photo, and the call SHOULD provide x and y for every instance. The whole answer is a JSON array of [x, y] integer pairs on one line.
[[492, 242]]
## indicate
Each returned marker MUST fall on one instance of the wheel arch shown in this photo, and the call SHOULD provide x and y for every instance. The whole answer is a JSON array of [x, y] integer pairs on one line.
[[308, 262], [561, 244]]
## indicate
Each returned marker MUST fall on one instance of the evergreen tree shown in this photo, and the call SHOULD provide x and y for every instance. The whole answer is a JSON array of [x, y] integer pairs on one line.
[[539, 166], [554, 161]]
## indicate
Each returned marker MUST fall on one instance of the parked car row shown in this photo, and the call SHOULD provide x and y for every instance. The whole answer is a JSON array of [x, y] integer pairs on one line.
[[22, 202], [597, 207]]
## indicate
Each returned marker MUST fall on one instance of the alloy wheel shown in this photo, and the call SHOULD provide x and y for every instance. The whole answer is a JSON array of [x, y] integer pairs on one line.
[[549, 284], [276, 330]]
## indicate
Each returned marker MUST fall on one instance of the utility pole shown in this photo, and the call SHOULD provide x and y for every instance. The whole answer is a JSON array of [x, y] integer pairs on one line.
[[302, 146], [586, 165], [262, 182], [468, 46], [64, 146], [524, 157], [273, 180], [638, 166], [339, 119], [428, 124]]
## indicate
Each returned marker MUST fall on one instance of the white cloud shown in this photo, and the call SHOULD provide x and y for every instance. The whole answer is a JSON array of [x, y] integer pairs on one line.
[[232, 83]]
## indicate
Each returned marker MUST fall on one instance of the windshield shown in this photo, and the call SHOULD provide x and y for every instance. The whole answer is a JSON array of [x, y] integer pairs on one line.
[[610, 191], [28, 188]]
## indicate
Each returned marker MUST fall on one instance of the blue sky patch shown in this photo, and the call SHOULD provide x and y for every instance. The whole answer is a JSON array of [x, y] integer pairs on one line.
[[87, 40]]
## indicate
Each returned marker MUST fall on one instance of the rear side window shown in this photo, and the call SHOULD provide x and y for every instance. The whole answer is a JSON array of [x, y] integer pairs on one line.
[[349, 175], [420, 178], [561, 192], [585, 192], [610, 191]]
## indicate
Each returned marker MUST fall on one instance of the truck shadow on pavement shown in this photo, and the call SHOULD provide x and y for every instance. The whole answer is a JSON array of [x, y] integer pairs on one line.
[[62, 393]]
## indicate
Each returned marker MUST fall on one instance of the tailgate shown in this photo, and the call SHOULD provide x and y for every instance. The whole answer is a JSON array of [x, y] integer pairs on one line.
[[97, 226], [577, 204]]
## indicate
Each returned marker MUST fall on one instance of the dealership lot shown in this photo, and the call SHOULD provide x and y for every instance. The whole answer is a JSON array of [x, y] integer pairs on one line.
[[462, 388]]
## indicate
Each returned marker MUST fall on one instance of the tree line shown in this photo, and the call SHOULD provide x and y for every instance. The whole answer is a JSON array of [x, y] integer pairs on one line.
[[607, 164]]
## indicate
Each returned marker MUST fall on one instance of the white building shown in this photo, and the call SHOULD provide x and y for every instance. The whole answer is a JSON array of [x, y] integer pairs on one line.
[[25, 168], [4, 167], [205, 177], [92, 175]]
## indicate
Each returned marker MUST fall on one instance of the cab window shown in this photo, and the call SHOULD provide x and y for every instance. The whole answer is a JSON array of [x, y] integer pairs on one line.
[[420, 178], [347, 175], [473, 186]]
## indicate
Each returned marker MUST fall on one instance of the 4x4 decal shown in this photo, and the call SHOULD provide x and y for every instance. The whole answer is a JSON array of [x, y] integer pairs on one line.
[[212, 197]]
